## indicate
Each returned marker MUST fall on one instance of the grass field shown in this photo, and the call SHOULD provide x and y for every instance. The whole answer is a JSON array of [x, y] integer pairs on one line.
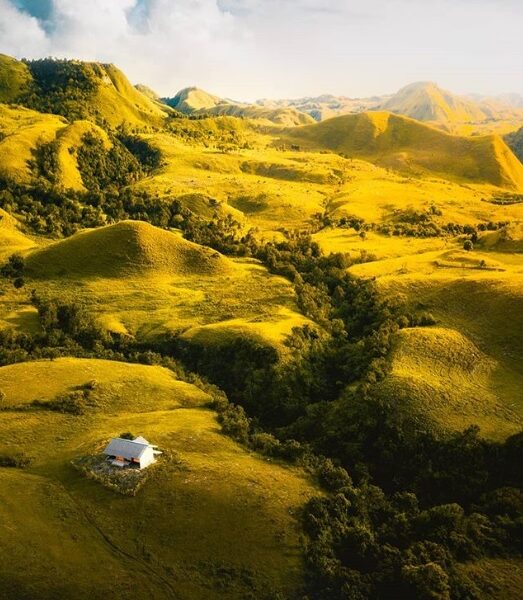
[[146, 282], [213, 518]]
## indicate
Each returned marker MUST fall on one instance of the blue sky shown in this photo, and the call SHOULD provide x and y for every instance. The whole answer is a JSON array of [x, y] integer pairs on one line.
[[248, 49]]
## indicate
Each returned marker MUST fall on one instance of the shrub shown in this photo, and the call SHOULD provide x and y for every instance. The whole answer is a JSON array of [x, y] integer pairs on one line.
[[235, 423], [17, 460], [468, 245], [14, 267]]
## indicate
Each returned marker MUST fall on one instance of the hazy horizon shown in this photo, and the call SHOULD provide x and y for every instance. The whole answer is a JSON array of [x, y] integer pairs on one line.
[[252, 49]]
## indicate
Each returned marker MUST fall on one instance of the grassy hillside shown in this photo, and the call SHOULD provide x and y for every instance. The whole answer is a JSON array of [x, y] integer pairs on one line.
[[14, 78], [447, 383], [147, 282], [78, 90], [425, 101], [126, 249], [180, 536], [195, 101], [11, 237], [407, 145], [24, 131]]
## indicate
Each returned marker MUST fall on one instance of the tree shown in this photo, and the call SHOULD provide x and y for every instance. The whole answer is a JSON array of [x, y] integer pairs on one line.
[[426, 582], [468, 245]]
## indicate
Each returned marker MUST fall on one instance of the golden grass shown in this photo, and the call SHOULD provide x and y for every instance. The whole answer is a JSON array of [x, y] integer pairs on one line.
[[444, 380], [125, 249], [497, 578], [196, 528], [147, 282], [14, 76], [410, 146], [69, 140], [23, 130], [273, 329], [12, 240]]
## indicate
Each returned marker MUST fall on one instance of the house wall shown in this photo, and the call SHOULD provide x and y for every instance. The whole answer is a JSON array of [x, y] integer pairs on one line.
[[147, 458]]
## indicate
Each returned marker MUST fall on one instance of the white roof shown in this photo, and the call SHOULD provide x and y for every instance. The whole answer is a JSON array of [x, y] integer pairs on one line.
[[141, 440], [128, 449]]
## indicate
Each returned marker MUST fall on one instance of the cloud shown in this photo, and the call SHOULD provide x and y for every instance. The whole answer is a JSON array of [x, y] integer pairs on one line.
[[253, 48], [20, 33]]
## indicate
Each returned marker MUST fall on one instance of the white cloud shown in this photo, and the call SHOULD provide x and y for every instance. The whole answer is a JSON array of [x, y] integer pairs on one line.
[[253, 48], [20, 34]]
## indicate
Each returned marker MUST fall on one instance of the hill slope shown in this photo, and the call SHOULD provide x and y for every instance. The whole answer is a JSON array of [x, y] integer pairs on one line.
[[78, 90], [195, 530], [443, 380], [405, 144], [195, 101], [425, 101], [14, 78], [25, 131], [123, 249]]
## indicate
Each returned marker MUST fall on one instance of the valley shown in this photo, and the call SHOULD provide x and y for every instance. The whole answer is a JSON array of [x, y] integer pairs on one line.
[[291, 304]]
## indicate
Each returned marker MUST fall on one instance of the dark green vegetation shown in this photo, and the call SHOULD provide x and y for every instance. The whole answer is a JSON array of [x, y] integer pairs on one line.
[[46, 209], [515, 141], [62, 87]]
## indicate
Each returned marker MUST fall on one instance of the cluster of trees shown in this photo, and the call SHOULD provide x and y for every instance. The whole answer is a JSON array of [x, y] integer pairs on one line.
[[47, 209], [410, 222], [367, 544], [62, 87]]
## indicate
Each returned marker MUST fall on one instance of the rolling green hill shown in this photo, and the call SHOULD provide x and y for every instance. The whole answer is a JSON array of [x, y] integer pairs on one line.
[[125, 249], [445, 382], [78, 90], [425, 101], [408, 145], [197, 529], [148, 283]]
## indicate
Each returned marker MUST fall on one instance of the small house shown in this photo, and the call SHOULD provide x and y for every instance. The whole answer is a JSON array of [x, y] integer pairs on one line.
[[124, 453]]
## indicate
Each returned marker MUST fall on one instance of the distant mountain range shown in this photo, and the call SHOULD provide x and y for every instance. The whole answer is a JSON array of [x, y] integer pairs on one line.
[[423, 101], [193, 100]]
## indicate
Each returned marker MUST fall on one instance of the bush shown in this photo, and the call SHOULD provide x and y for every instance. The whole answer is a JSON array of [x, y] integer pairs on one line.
[[468, 245], [17, 460], [235, 423], [426, 582], [14, 267]]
